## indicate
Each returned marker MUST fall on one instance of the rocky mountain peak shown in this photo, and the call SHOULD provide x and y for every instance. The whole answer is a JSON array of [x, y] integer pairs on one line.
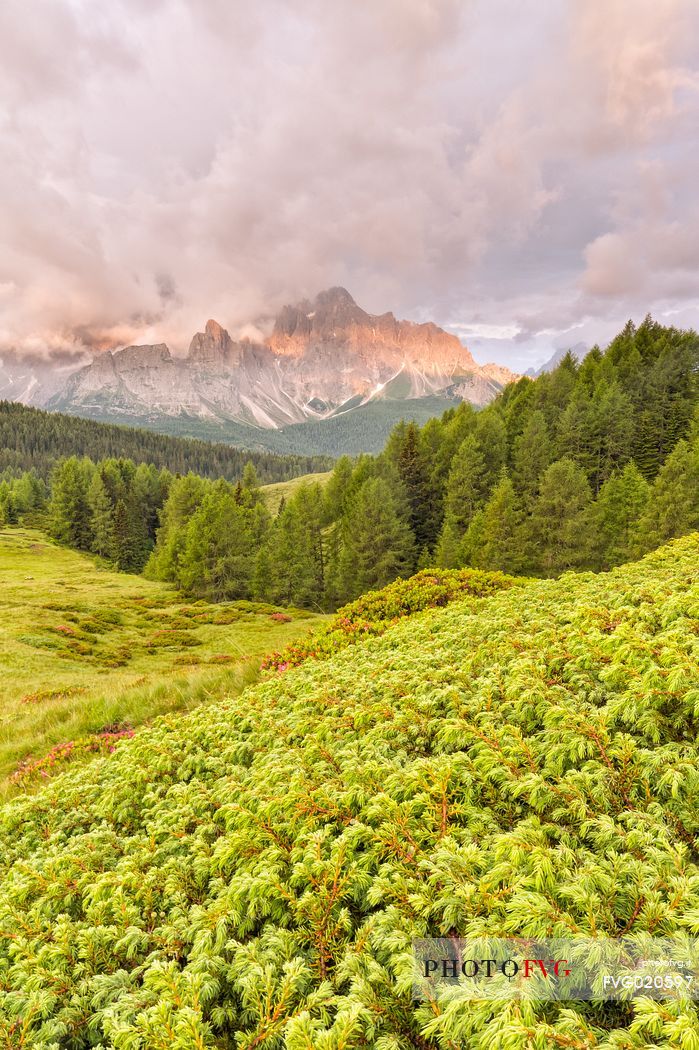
[[141, 357], [334, 296], [216, 331], [212, 347], [324, 355]]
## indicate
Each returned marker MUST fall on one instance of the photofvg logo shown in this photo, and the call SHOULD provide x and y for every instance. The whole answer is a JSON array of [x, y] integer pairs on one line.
[[561, 968]]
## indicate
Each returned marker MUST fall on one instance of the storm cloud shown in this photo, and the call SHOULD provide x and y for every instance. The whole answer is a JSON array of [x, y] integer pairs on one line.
[[523, 172]]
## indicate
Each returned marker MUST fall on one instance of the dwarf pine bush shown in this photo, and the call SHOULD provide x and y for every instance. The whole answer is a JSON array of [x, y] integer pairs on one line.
[[252, 875], [376, 611]]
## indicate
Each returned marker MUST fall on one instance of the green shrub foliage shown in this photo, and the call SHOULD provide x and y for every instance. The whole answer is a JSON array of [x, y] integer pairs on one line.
[[376, 611], [252, 875]]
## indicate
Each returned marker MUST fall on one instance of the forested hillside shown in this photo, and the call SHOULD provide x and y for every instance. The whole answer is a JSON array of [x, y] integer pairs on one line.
[[31, 439], [584, 468], [253, 874]]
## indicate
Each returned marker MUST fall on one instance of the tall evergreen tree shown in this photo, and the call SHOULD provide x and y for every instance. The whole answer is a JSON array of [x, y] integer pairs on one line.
[[492, 437], [449, 551], [466, 492], [8, 507], [70, 509], [185, 496], [377, 544], [218, 559], [251, 482], [560, 528], [673, 507], [467, 485], [611, 432], [290, 557], [102, 519], [618, 508], [532, 455], [414, 473], [337, 488], [126, 551], [497, 541]]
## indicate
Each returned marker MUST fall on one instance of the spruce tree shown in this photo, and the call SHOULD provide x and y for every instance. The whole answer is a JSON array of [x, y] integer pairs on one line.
[[125, 546], [262, 578], [467, 485], [251, 482], [377, 544], [611, 432], [291, 557], [466, 491], [218, 559], [185, 496], [69, 512], [492, 435], [532, 455], [337, 488], [673, 507], [448, 552], [102, 518], [560, 528], [413, 471], [617, 511], [498, 542], [8, 509]]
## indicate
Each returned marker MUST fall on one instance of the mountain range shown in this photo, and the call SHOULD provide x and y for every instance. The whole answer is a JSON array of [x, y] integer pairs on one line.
[[324, 359]]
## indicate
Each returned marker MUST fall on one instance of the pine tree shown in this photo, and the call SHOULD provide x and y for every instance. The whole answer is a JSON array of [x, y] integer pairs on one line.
[[8, 509], [377, 544], [617, 511], [102, 517], [413, 472], [560, 529], [262, 577], [185, 496], [312, 510], [251, 483], [467, 484], [218, 559], [125, 549], [290, 556], [612, 432], [29, 493], [337, 488], [673, 507], [498, 542], [492, 436], [448, 552], [532, 455], [69, 509]]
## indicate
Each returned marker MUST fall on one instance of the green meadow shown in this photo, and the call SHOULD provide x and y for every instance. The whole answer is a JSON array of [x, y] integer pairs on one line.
[[278, 490], [84, 649]]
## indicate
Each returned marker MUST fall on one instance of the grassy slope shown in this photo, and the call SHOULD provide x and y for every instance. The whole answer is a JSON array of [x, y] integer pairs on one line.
[[273, 493], [519, 764], [82, 647]]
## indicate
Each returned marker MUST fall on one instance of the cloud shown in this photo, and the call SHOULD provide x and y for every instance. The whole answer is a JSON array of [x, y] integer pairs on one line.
[[172, 160]]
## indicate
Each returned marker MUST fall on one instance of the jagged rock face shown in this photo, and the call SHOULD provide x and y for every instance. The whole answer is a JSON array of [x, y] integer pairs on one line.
[[334, 321], [213, 348], [322, 357]]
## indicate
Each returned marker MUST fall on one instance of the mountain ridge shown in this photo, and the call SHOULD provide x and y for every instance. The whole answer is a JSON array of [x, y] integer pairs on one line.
[[324, 357]]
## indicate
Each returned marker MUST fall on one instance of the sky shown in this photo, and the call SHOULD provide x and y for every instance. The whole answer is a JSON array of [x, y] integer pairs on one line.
[[523, 172]]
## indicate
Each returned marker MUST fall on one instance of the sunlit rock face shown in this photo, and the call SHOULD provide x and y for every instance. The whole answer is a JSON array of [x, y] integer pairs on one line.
[[324, 356]]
